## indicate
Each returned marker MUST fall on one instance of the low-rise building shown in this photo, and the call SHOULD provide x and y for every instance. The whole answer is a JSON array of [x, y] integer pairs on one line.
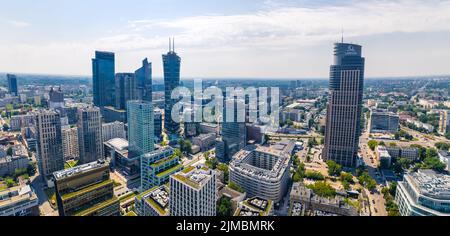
[[234, 196], [409, 153], [384, 157], [116, 150], [113, 130], [153, 202], [444, 156], [20, 121], [303, 202], [205, 141], [382, 121], [9, 163], [255, 207], [19, 201], [424, 193]]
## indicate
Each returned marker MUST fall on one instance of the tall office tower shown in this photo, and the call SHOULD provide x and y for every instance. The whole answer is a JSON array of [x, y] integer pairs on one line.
[[144, 81], [234, 131], [193, 192], [90, 139], [103, 71], [344, 105], [86, 190], [125, 89], [171, 64], [140, 127], [70, 143], [158, 124], [12, 84], [49, 142], [444, 122], [56, 98], [113, 130]]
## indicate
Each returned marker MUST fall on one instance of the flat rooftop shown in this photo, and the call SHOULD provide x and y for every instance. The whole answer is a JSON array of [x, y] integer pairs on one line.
[[157, 198], [195, 176], [58, 175], [432, 184]]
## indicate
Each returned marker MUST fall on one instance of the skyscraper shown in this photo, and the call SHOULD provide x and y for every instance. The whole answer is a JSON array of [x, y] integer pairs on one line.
[[103, 71], [234, 132], [144, 81], [56, 98], [193, 192], [90, 139], [12, 85], [49, 142], [125, 89], [171, 64], [344, 105], [140, 127]]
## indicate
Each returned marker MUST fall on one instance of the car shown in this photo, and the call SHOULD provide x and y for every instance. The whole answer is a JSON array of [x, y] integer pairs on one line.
[[376, 211]]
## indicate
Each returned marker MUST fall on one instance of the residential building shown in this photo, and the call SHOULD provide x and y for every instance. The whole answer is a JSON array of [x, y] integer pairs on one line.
[[70, 143], [56, 98], [90, 139], [304, 202], [20, 121], [424, 193], [50, 157], [343, 125], [409, 153], [17, 160], [171, 66], [140, 127], [193, 192], [103, 76], [86, 190], [444, 122], [153, 202], [263, 171], [255, 207], [112, 130], [157, 166], [19, 201]]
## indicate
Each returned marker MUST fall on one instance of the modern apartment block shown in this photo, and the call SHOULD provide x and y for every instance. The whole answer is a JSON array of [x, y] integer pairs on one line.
[[343, 122], [157, 166], [193, 192], [255, 207], [171, 66], [382, 121], [21, 121], [424, 193], [153, 202], [19, 201], [70, 143], [140, 127], [90, 139], [103, 76], [263, 171], [50, 157], [113, 130], [86, 190]]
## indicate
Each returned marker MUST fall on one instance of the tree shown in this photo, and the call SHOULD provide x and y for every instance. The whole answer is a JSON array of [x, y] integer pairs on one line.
[[224, 207], [442, 146], [9, 151], [447, 135], [334, 169], [236, 187], [10, 182], [314, 175], [224, 168], [312, 142], [5, 127], [372, 144], [347, 177], [322, 189], [381, 144], [422, 151], [188, 146], [392, 144]]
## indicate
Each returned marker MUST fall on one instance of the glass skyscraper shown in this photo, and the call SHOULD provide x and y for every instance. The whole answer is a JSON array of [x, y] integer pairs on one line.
[[12, 85], [103, 71], [234, 132], [171, 66], [344, 105], [126, 89], [144, 81], [140, 127]]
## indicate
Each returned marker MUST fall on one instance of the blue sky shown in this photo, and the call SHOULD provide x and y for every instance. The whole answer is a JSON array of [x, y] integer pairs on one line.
[[226, 38]]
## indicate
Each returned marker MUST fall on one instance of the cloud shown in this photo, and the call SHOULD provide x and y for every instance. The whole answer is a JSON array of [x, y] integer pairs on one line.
[[18, 24], [284, 27]]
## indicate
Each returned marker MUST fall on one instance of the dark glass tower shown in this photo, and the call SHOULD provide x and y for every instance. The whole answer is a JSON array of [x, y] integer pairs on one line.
[[12, 85], [234, 132], [344, 105], [171, 64], [144, 81], [125, 89], [103, 71]]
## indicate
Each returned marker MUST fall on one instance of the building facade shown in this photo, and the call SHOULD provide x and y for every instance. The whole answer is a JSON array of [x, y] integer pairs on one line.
[[193, 192], [125, 89], [112, 130], [153, 202], [343, 125], [19, 201], [90, 139], [70, 143], [13, 89], [103, 76], [444, 122], [140, 127], [382, 121], [144, 81]]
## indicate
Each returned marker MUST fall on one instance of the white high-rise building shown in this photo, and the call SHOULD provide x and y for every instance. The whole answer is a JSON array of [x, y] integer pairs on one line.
[[113, 130], [70, 143], [193, 192]]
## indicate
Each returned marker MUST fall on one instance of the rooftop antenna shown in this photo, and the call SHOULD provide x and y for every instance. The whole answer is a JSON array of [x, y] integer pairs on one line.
[[170, 45]]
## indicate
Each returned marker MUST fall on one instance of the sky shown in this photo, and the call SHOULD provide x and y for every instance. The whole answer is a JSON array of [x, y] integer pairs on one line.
[[226, 38]]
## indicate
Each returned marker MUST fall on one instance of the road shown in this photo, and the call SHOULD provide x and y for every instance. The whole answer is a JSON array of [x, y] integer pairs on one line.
[[376, 199], [44, 205]]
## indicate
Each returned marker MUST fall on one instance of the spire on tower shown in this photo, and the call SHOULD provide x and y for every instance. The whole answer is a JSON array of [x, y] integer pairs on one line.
[[173, 44]]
